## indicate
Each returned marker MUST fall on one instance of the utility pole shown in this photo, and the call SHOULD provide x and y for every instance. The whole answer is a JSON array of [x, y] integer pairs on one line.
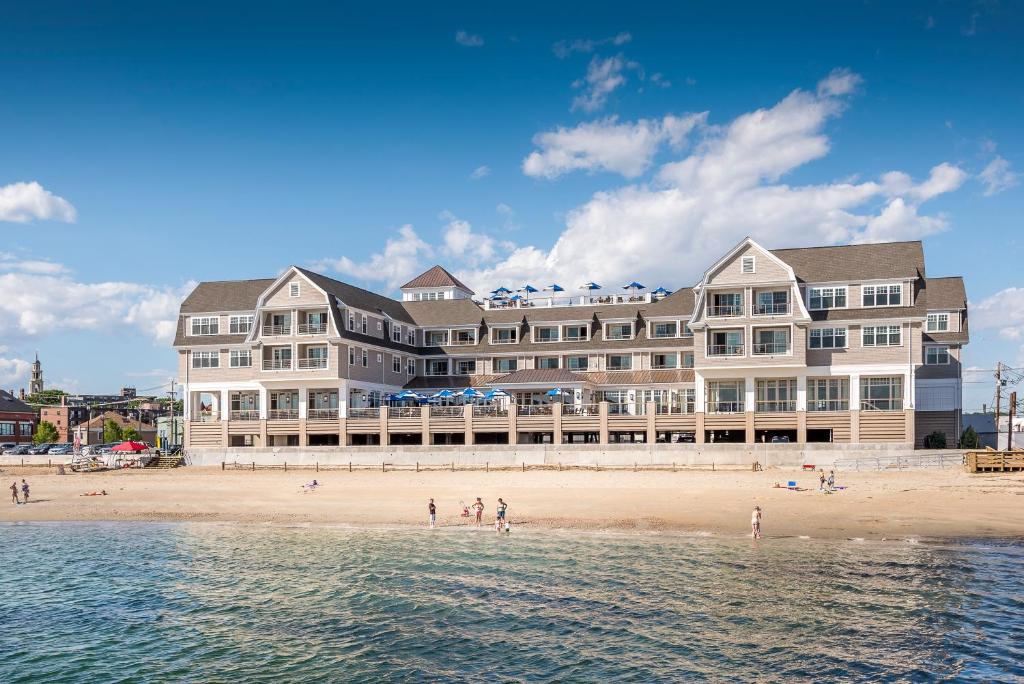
[[999, 396], [1013, 414]]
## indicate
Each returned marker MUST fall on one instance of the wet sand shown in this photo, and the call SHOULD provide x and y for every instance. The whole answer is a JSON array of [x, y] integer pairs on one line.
[[926, 503]]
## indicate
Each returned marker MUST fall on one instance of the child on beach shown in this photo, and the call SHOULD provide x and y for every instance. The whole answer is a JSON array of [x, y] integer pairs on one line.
[[479, 508], [755, 523], [821, 480], [24, 490], [831, 480], [432, 510], [14, 492], [502, 507]]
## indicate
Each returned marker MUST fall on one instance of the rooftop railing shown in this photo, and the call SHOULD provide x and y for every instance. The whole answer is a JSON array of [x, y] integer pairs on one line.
[[725, 407], [580, 410], [447, 411], [776, 406], [828, 405], [528, 410], [404, 412], [490, 411]]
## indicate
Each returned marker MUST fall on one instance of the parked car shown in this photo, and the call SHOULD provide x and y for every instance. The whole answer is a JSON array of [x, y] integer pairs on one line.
[[61, 450], [16, 449], [40, 449], [780, 439]]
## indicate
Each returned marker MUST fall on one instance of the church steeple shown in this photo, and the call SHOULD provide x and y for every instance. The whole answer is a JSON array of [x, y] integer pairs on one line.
[[36, 384]]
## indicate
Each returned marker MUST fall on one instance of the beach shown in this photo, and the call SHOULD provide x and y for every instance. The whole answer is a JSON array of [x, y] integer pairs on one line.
[[872, 505]]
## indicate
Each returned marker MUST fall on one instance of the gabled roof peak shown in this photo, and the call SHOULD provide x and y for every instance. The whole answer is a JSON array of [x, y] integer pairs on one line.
[[437, 276]]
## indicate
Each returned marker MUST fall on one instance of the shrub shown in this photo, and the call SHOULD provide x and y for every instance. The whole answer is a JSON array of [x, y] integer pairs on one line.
[[969, 438], [936, 440]]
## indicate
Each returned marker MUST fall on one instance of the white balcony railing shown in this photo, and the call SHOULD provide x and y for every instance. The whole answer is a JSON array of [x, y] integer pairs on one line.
[[462, 342], [726, 310], [490, 411], [312, 328], [276, 330], [277, 364], [725, 407], [404, 412], [776, 406], [364, 412], [725, 350], [245, 415], [770, 348], [209, 417], [828, 405], [313, 363], [528, 410], [447, 411], [322, 414], [283, 414], [580, 410]]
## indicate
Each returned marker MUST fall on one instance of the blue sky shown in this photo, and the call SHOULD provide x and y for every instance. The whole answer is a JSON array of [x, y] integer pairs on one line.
[[147, 148]]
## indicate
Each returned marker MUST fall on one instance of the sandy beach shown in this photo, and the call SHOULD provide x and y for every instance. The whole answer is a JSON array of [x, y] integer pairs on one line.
[[927, 503]]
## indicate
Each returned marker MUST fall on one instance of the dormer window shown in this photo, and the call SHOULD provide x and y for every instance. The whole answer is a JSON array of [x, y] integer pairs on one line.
[[747, 264], [504, 335], [882, 295], [293, 289], [619, 331]]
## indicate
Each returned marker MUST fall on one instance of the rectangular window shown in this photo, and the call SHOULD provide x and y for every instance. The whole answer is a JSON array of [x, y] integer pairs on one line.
[[366, 359], [7, 429], [380, 326], [396, 364], [576, 333], [688, 360], [546, 334], [396, 333], [465, 367], [747, 264], [547, 362], [205, 325], [881, 336], [772, 342], [726, 343], [828, 298], [364, 324], [437, 367], [504, 335], [620, 362], [725, 396], [670, 360], [240, 358], [726, 304], [686, 329], [828, 338], [883, 295], [351, 356], [773, 303], [669, 329], [687, 399], [205, 359], [881, 394], [412, 338], [26, 429], [938, 322], [464, 337], [506, 365], [828, 394], [577, 363], [351, 321], [436, 338], [239, 325], [293, 289], [776, 396], [936, 356], [619, 331], [410, 368], [380, 359]]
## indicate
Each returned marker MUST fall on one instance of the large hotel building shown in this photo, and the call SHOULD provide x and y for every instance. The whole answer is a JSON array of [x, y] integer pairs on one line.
[[847, 344]]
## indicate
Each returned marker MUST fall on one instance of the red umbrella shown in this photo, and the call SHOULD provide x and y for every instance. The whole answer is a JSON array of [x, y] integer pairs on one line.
[[130, 446]]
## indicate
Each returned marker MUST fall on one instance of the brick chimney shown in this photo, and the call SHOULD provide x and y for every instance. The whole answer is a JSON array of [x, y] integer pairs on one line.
[[21, 394]]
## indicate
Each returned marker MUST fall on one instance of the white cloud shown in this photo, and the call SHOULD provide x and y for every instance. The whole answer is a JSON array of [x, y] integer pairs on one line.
[[997, 176], [9, 262], [480, 172], [468, 39], [34, 304], [659, 80], [12, 371], [604, 76], [607, 145], [1003, 311], [23, 202], [565, 48], [395, 265], [667, 230], [462, 243]]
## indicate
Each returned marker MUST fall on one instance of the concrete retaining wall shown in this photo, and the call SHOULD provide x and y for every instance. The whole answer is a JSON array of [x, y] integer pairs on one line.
[[775, 455]]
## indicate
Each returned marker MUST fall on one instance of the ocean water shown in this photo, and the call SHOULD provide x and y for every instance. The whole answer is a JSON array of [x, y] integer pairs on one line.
[[132, 602]]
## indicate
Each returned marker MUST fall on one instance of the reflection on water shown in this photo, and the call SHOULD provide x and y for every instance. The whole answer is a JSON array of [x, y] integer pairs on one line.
[[137, 602]]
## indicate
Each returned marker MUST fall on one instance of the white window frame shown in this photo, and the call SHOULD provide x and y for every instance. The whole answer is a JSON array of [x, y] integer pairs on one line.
[[396, 333], [428, 334], [874, 295], [235, 324], [212, 324], [380, 326], [410, 366], [666, 353], [834, 289], [821, 337], [608, 358], [556, 328], [363, 323], [351, 356], [396, 363], [206, 359], [456, 370], [505, 359], [874, 335], [538, 359], [585, 358], [366, 359], [936, 348], [235, 357], [938, 318], [380, 359], [744, 261], [565, 338], [632, 331], [351, 321], [448, 367], [515, 334], [293, 289], [654, 326]]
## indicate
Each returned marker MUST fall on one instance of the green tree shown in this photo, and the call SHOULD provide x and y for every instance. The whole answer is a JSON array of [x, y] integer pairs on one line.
[[46, 433], [112, 432], [130, 434], [49, 397], [936, 440], [969, 438]]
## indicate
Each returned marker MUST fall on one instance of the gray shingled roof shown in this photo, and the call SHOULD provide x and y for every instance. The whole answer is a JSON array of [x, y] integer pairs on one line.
[[225, 295], [436, 276], [11, 404], [855, 263], [357, 297], [946, 293]]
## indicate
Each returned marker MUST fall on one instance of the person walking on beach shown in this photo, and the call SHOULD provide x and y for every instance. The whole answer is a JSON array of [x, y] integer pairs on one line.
[[831, 480], [755, 523], [479, 508], [24, 489], [432, 509], [821, 480], [14, 492]]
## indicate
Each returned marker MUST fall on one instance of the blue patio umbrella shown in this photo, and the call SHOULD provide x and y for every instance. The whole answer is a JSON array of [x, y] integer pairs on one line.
[[634, 286], [501, 291], [444, 394], [515, 298], [590, 286], [529, 289], [407, 394], [470, 393], [558, 391], [662, 291], [555, 287], [495, 394]]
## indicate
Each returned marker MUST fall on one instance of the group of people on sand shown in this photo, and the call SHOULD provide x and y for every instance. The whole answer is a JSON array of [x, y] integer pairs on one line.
[[501, 523], [24, 491], [827, 485]]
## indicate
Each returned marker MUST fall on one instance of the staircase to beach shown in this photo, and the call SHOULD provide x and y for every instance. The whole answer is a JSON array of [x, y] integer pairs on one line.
[[166, 461]]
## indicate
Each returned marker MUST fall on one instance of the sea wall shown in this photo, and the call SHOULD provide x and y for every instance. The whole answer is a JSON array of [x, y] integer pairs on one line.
[[500, 455]]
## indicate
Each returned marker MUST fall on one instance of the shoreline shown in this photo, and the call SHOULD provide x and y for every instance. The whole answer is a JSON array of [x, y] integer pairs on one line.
[[925, 504]]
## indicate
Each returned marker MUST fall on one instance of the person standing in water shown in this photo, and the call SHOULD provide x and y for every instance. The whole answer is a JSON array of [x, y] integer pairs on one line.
[[478, 507], [502, 507], [433, 513], [755, 523]]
